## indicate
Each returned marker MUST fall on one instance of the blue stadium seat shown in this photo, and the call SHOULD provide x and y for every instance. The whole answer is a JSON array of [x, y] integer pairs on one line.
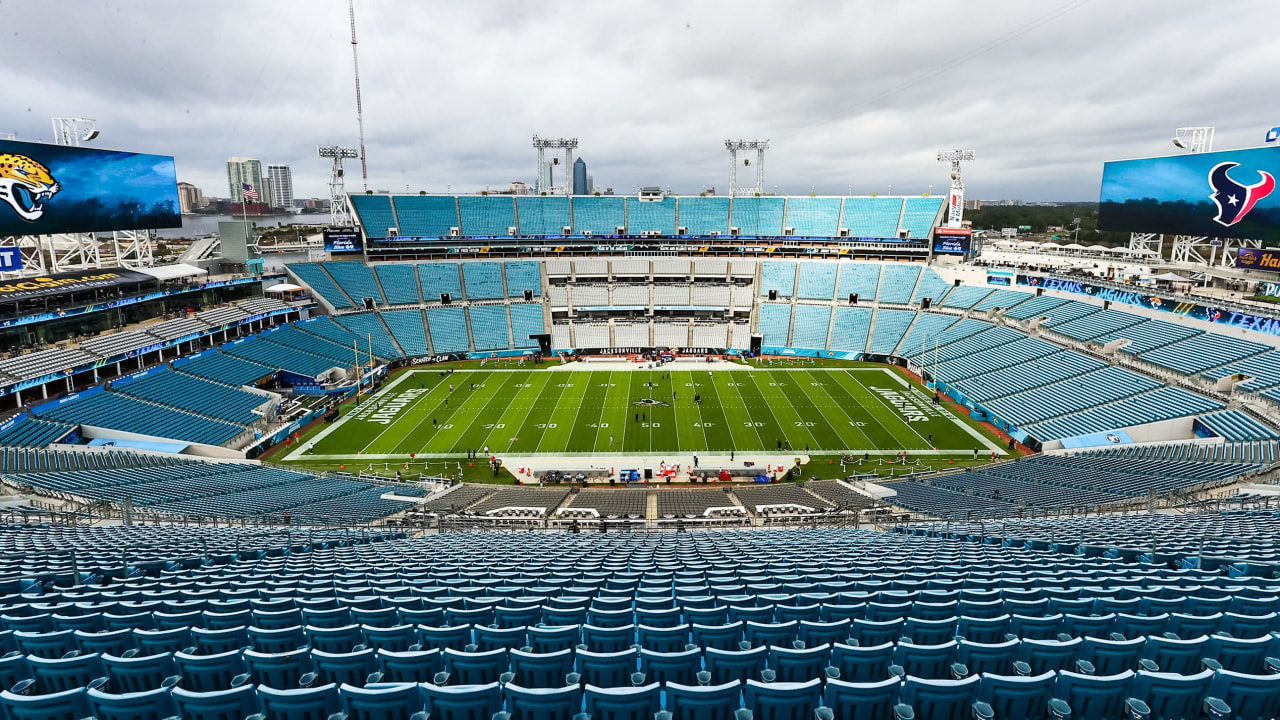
[[211, 673], [608, 639], [410, 666], [237, 702], [314, 703], [398, 638], [154, 704], [862, 700], [624, 703], [869, 663], [335, 639], [1094, 697], [385, 701], [679, 667], [1172, 695], [994, 658], [70, 704], [140, 673], [926, 661], [1111, 657], [704, 702], [282, 671], [474, 668], [546, 639], [542, 670], [940, 698], [1027, 698], [559, 703], [799, 665], [738, 666], [356, 668], [783, 700], [55, 675], [155, 642], [1248, 696], [453, 637], [463, 702], [663, 639]]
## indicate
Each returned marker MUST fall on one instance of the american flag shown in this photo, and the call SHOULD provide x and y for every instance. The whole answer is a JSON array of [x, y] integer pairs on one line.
[[249, 192]]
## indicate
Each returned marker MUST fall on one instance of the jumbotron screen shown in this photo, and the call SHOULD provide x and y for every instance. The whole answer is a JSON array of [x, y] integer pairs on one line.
[[1219, 194], [46, 189]]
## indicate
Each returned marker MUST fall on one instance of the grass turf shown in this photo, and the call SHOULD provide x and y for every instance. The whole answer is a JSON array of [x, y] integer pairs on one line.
[[524, 412]]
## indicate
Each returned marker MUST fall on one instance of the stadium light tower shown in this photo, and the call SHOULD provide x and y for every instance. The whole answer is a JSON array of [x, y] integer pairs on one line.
[[1197, 249], [955, 201], [1194, 139], [733, 146], [73, 131], [542, 144], [339, 212]]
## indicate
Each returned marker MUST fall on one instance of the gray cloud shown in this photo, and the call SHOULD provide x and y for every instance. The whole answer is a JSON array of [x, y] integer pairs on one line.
[[855, 93]]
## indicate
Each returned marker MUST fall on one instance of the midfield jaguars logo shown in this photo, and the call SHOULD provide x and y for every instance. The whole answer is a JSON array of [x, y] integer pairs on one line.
[[650, 402]]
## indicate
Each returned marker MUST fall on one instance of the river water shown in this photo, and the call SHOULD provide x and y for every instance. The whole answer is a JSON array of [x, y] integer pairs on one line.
[[196, 225]]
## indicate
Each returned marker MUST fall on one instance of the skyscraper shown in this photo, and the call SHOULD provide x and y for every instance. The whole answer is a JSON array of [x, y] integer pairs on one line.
[[190, 197], [281, 185], [242, 170], [580, 177]]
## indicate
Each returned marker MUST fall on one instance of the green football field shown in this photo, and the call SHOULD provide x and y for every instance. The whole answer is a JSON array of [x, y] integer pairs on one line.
[[595, 412]]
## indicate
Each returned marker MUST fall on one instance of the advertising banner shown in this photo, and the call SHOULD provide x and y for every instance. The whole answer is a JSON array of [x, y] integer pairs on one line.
[[70, 282], [1219, 194], [10, 259], [1258, 259], [952, 241], [47, 189], [342, 240], [1208, 313]]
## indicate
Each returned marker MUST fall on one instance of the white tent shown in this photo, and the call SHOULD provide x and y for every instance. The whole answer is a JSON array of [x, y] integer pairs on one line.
[[1143, 251], [1004, 243], [284, 287], [1118, 250], [173, 272], [1170, 277], [1029, 244], [1050, 245], [1073, 246]]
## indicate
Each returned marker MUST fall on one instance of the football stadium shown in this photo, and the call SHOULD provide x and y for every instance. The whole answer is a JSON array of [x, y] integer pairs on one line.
[[558, 454]]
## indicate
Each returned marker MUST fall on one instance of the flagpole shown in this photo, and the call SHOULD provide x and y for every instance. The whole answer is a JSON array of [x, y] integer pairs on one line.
[[244, 213]]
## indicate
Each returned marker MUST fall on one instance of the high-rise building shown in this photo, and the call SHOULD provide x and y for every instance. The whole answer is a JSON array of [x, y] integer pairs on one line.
[[580, 177], [241, 171], [189, 197], [281, 185]]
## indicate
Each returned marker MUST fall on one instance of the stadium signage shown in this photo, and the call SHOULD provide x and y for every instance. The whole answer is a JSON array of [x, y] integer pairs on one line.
[[1255, 258], [1257, 323], [1213, 194], [952, 241], [432, 359], [637, 350], [343, 240], [47, 189], [384, 413], [1207, 313], [10, 259], [70, 282], [905, 405]]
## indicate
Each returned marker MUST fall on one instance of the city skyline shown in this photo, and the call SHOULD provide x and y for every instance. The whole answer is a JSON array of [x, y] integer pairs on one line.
[[1044, 93]]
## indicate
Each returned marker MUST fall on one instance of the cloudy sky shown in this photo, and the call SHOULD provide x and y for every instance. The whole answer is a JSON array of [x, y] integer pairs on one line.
[[854, 93]]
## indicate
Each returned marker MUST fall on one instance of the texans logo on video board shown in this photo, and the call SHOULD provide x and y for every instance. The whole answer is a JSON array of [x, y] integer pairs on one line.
[[1235, 200]]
